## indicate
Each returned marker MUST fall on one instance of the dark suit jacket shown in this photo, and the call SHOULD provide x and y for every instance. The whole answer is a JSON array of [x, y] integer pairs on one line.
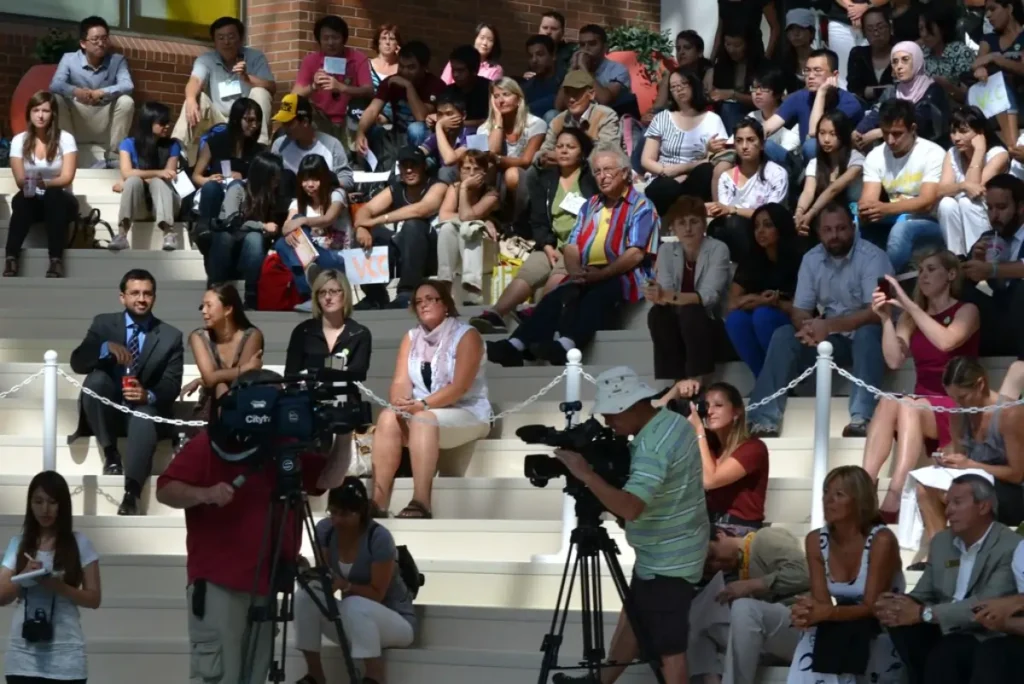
[[992, 577], [161, 362]]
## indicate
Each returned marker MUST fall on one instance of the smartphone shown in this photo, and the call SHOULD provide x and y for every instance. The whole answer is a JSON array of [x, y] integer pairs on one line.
[[885, 287]]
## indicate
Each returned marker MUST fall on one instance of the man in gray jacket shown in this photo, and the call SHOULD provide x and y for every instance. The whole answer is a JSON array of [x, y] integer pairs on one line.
[[933, 627]]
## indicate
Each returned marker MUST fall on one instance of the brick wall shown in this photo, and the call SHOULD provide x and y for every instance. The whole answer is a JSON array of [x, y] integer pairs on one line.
[[160, 68], [284, 29]]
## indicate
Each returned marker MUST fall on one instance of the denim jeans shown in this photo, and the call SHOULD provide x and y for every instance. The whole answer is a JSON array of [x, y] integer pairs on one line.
[[900, 235], [326, 259], [787, 357], [211, 197], [237, 252], [776, 153], [732, 113], [751, 333]]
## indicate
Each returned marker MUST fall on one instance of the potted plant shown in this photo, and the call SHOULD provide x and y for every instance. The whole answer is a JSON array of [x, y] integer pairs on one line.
[[647, 55], [50, 47]]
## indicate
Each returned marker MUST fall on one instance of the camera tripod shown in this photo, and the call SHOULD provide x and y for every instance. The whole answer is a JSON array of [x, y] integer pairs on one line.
[[588, 544], [275, 609]]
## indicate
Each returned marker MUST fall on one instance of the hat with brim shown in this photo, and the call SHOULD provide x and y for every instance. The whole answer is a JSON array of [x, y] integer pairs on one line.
[[292, 106], [620, 388], [801, 17], [578, 79]]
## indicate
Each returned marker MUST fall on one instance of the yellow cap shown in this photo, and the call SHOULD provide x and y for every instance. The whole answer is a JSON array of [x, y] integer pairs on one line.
[[288, 109]]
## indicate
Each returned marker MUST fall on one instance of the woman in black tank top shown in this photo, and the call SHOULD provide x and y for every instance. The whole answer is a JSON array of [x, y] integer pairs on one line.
[[226, 334]]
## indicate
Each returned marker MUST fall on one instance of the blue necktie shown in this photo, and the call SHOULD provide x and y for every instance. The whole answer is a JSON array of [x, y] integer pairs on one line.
[[133, 347]]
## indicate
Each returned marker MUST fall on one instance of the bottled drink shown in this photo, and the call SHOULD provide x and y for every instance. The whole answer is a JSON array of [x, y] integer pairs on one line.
[[997, 250]]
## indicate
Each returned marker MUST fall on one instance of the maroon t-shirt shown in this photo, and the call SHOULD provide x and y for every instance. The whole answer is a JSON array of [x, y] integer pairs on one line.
[[745, 497], [429, 88]]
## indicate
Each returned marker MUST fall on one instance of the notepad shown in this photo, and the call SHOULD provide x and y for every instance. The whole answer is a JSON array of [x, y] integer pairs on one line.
[[183, 185], [28, 579], [335, 65], [477, 141]]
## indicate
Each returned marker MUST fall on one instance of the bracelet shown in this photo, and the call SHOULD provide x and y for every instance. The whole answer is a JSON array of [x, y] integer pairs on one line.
[[426, 407]]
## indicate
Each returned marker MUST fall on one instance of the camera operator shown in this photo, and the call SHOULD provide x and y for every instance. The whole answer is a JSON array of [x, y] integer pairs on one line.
[[224, 524], [330, 332], [376, 607], [666, 521]]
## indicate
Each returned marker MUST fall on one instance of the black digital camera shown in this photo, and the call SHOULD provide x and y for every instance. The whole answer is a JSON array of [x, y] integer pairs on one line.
[[37, 629]]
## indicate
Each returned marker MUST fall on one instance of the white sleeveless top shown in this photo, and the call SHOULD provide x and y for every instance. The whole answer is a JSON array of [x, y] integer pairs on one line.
[[475, 400], [855, 590]]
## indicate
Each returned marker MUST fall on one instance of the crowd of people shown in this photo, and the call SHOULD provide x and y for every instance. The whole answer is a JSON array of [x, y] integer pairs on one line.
[[804, 193]]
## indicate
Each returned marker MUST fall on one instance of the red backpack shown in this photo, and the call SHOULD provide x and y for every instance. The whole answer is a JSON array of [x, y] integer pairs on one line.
[[276, 290]]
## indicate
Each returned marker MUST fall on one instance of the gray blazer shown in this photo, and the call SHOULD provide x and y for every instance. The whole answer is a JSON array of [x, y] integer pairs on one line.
[[713, 272], [992, 577]]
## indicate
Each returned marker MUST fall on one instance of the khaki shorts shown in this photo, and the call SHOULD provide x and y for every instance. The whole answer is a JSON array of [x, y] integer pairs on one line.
[[536, 270]]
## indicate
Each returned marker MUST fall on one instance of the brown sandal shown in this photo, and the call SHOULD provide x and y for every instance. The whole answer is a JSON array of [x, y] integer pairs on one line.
[[56, 269], [376, 511], [415, 511], [10, 267]]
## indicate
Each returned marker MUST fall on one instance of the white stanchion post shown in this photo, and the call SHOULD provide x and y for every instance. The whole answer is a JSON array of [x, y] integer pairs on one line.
[[822, 414], [50, 410], [573, 364]]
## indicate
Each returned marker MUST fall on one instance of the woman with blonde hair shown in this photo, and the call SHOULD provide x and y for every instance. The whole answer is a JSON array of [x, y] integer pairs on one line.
[[330, 331], [853, 560], [44, 160], [513, 134], [934, 327]]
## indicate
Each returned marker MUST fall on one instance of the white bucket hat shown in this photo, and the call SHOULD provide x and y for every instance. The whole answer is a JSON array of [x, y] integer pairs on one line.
[[618, 389]]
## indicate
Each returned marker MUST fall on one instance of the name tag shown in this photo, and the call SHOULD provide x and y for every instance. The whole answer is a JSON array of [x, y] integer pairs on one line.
[[955, 563], [230, 88], [572, 203], [335, 65], [477, 141]]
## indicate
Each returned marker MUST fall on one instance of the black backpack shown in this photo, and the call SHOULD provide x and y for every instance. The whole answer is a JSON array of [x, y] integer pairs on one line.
[[407, 569]]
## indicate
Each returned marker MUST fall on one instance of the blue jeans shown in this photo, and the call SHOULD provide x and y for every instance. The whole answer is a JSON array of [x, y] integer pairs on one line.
[[751, 332], [776, 153], [211, 197], [787, 357], [237, 252], [900, 235], [732, 113], [417, 133], [326, 260], [809, 148]]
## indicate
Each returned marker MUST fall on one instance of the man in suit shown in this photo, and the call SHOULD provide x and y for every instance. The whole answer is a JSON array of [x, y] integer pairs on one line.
[[132, 358], [933, 628], [1002, 659]]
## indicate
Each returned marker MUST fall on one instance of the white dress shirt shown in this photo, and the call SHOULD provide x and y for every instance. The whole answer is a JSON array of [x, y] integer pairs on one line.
[[968, 556]]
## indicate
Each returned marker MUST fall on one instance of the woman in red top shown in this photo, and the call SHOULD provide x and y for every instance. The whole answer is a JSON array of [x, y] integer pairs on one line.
[[735, 464], [934, 327]]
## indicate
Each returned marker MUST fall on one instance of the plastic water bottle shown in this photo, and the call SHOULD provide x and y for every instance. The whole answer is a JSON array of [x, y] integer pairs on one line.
[[30, 186], [997, 250]]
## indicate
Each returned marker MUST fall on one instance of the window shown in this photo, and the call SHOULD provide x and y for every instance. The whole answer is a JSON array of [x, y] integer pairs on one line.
[[172, 18]]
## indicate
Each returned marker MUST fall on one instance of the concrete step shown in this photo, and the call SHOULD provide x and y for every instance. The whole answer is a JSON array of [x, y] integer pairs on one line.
[[167, 267], [87, 182], [144, 235]]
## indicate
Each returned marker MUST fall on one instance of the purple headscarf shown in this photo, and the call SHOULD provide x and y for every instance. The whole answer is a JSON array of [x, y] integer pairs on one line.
[[914, 89]]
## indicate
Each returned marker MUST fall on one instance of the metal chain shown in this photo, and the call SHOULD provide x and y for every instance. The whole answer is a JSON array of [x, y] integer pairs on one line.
[[99, 490], [910, 401], [26, 381], [785, 390], [132, 412]]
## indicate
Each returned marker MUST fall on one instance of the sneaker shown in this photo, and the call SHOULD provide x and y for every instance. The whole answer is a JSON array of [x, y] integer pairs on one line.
[[551, 351], [119, 243], [763, 430], [504, 354], [368, 304], [304, 307], [170, 241], [489, 323], [858, 428], [401, 302]]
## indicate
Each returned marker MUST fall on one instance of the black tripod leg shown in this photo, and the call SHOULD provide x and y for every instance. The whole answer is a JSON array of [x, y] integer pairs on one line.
[[622, 586], [553, 639]]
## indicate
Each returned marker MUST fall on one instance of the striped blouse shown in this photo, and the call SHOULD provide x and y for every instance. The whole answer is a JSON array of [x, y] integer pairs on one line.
[[634, 223]]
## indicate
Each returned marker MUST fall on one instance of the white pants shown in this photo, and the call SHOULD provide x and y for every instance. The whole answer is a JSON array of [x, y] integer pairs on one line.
[[962, 220], [460, 248], [133, 201], [841, 39], [105, 125], [369, 626], [210, 116]]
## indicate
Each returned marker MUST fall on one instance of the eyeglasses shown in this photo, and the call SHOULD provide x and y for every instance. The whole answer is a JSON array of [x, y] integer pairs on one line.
[[97, 40], [426, 301], [330, 292], [598, 173], [759, 89]]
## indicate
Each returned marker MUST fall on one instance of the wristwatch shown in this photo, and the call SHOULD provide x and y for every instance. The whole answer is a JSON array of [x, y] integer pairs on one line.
[[926, 614], [425, 406]]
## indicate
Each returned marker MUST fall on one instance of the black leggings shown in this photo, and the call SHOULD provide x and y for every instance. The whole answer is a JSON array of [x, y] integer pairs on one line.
[[18, 679], [663, 192], [57, 208]]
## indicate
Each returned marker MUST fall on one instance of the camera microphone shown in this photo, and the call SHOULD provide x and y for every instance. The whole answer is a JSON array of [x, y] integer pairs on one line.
[[533, 434], [238, 481]]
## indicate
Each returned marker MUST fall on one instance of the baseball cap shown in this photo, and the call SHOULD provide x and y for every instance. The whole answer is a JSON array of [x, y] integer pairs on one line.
[[293, 105], [618, 389], [801, 17], [577, 78], [412, 154]]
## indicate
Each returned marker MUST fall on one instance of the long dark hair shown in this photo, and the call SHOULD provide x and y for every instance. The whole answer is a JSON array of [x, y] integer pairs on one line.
[[51, 136], [844, 134], [758, 129], [496, 48], [698, 99], [314, 166], [150, 149], [247, 146], [229, 297], [791, 247], [725, 69], [351, 497], [1016, 8], [263, 187], [65, 555], [971, 116]]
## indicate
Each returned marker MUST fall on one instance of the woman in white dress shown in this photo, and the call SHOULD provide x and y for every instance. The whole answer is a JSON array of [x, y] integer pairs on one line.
[[439, 381], [852, 560]]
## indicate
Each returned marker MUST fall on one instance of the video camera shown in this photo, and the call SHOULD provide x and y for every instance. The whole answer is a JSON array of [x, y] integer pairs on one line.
[[607, 453], [282, 416]]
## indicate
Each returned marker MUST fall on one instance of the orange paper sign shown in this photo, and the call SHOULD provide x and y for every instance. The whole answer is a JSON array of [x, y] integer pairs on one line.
[[365, 268]]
